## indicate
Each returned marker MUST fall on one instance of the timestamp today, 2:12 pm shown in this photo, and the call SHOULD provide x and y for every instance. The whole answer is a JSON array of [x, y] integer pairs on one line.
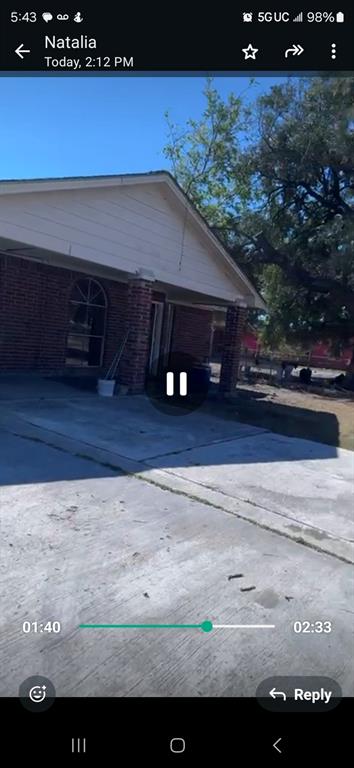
[[89, 62]]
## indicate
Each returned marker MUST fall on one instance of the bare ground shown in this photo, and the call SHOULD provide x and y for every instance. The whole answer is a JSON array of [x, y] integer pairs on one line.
[[325, 418]]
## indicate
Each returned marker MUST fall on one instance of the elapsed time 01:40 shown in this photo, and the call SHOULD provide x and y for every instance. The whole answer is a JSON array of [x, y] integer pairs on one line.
[[38, 626]]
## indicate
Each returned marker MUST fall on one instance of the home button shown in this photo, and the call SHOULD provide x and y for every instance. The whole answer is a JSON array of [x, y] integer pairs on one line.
[[177, 746]]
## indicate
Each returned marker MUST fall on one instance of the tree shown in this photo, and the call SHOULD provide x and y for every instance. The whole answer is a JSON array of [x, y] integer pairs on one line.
[[281, 197]]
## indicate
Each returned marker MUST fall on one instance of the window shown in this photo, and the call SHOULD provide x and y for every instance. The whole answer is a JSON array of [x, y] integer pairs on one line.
[[87, 323]]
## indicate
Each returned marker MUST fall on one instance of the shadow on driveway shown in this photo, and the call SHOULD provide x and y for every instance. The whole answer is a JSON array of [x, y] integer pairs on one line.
[[234, 433], [283, 482], [251, 407]]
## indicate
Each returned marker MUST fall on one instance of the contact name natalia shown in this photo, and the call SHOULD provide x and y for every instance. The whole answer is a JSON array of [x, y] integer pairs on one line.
[[69, 42]]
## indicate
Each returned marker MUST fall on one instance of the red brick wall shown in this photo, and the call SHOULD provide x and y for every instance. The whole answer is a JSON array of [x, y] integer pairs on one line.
[[20, 289], [192, 332], [34, 302], [158, 296], [135, 360]]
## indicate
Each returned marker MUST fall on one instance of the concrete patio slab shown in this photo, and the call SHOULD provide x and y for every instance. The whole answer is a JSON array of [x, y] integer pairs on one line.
[[309, 486], [298, 488], [129, 426], [31, 386], [90, 545]]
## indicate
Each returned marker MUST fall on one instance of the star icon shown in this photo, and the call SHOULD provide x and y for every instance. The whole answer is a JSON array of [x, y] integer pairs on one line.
[[250, 52]]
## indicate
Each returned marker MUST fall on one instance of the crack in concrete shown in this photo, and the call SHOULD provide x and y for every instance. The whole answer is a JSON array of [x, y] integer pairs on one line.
[[328, 534], [205, 445]]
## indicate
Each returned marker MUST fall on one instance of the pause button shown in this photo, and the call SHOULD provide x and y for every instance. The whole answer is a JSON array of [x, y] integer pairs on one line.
[[179, 386], [170, 384]]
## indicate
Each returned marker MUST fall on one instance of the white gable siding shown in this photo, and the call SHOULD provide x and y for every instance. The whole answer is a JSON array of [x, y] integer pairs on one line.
[[126, 228]]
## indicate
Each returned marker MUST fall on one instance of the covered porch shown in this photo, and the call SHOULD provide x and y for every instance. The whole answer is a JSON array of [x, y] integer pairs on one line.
[[89, 264], [74, 316]]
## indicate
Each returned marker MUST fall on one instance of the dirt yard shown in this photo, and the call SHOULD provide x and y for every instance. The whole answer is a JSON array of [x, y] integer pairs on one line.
[[297, 413]]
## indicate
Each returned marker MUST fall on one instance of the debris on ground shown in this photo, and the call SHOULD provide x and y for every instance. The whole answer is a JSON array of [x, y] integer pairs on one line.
[[247, 589], [235, 576]]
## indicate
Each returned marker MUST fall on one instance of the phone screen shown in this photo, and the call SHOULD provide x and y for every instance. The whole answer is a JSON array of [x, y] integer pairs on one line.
[[176, 383]]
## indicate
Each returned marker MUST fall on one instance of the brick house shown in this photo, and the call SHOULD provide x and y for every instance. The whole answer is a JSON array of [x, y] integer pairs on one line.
[[82, 260]]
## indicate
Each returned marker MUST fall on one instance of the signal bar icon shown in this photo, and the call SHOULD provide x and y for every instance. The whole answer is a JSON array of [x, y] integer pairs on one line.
[[299, 17], [170, 384]]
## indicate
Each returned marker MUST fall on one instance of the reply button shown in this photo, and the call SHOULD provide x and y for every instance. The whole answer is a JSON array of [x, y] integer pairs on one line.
[[299, 694]]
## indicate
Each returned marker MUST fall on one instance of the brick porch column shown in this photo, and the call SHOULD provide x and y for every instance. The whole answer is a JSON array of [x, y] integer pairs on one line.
[[234, 327], [136, 353]]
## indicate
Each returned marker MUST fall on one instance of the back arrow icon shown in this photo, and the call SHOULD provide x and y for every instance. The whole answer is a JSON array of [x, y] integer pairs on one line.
[[275, 745], [20, 50], [295, 50], [273, 693]]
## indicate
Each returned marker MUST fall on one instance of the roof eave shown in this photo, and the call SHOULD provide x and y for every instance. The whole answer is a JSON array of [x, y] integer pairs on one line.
[[252, 297], [257, 302]]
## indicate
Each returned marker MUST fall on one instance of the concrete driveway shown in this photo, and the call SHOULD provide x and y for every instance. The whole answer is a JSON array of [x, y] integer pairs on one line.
[[206, 499]]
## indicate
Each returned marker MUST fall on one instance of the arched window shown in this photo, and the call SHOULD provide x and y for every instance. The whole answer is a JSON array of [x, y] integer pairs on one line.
[[87, 324]]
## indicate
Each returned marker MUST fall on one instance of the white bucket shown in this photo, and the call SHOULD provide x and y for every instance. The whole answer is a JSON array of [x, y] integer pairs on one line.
[[105, 387]]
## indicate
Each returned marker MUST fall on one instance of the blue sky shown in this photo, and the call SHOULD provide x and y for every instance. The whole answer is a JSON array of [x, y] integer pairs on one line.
[[77, 126]]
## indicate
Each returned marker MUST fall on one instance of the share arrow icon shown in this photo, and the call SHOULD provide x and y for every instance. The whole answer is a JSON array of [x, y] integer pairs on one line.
[[296, 50]]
